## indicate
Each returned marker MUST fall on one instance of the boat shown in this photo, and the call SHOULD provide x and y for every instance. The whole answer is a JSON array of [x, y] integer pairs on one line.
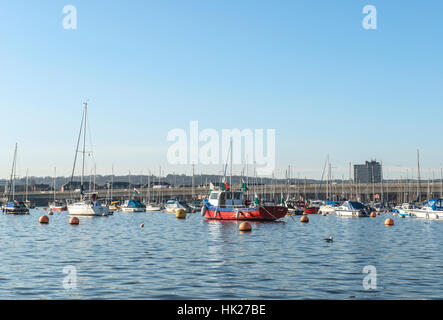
[[133, 205], [58, 206], [153, 206], [352, 209], [88, 205], [114, 206], [29, 204], [404, 208], [329, 207], [433, 209], [172, 205], [229, 205], [312, 207], [196, 205], [13, 206], [293, 210]]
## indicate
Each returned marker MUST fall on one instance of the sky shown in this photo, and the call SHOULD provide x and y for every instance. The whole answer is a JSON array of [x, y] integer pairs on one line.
[[307, 69]]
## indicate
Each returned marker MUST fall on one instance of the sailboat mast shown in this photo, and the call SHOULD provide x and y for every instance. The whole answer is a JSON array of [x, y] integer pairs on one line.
[[55, 177], [84, 143], [418, 182], [12, 181], [26, 188], [230, 169]]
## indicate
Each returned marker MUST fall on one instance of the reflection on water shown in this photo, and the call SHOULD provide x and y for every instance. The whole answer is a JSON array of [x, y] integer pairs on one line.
[[198, 259]]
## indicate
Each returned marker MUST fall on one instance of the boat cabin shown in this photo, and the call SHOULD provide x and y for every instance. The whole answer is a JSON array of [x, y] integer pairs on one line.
[[226, 198], [434, 204]]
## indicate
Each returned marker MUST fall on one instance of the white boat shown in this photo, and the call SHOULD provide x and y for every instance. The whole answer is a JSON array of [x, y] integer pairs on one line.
[[133, 206], [433, 209], [152, 206], [352, 209], [172, 205], [328, 208], [404, 209], [88, 205]]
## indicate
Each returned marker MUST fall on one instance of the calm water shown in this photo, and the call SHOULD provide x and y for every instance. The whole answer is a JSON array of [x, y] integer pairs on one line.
[[197, 259]]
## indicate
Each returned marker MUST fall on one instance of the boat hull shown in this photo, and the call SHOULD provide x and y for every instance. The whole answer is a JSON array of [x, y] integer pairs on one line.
[[87, 210], [58, 208], [265, 213], [133, 209], [357, 214], [312, 210], [16, 211]]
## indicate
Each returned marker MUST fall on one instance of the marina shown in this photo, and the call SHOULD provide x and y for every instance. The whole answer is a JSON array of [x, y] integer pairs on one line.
[[199, 259]]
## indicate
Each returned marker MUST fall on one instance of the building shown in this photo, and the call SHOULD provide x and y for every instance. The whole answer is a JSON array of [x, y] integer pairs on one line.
[[370, 172]]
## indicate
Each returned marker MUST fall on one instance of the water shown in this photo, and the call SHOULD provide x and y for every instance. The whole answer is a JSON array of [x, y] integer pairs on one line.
[[197, 259]]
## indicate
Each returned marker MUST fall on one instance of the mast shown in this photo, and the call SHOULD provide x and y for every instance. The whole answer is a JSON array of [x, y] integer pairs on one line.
[[26, 189], [230, 169], [12, 180], [84, 145], [418, 182], [193, 181], [55, 177]]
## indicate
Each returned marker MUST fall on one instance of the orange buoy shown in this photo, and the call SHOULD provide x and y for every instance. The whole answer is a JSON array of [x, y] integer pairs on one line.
[[245, 226], [304, 219], [142, 225], [44, 209], [373, 214], [74, 220], [43, 219], [389, 222]]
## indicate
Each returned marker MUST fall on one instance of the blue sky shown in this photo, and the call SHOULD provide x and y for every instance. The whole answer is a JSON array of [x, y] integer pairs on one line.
[[305, 68]]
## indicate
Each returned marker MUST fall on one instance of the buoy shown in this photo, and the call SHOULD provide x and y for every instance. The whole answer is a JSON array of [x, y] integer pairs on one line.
[[330, 239], [245, 226], [373, 214], [44, 209], [304, 219], [50, 213], [402, 216], [180, 213], [74, 220], [323, 214], [142, 225], [389, 222], [104, 214], [43, 219], [378, 213]]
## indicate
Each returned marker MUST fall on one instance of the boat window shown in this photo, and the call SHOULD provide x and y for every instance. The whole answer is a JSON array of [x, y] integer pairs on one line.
[[237, 195], [228, 195], [222, 196], [214, 195]]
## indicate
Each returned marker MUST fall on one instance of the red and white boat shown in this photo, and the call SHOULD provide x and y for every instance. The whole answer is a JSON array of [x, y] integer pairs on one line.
[[58, 206], [312, 207], [229, 205]]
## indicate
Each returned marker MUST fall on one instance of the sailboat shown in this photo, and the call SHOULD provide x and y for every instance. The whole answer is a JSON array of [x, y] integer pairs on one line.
[[56, 205], [13, 206], [88, 205]]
